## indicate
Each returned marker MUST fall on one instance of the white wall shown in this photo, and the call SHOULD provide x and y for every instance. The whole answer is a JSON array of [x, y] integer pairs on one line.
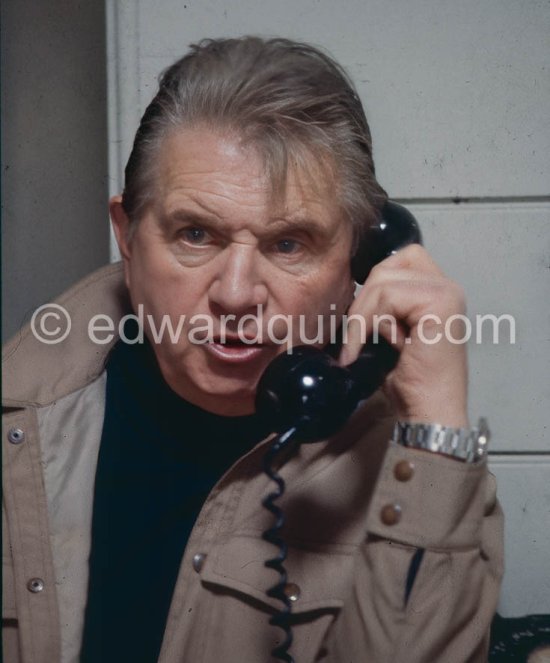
[[457, 94]]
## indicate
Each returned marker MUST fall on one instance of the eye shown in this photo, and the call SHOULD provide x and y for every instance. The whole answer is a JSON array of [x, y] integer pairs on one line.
[[287, 246], [195, 235]]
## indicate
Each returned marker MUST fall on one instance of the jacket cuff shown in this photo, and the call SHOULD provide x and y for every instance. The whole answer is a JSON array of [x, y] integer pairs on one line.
[[428, 500]]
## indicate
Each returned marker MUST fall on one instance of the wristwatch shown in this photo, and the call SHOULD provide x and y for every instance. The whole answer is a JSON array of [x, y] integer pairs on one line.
[[467, 444]]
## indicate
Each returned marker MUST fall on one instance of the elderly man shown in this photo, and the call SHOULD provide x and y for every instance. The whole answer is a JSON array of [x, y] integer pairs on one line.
[[133, 482]]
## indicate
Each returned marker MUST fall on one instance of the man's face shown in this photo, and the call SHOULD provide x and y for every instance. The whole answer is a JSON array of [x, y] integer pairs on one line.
[[214, 243]]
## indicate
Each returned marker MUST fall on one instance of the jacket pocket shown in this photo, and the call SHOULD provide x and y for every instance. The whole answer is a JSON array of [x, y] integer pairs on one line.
[[320, 576]]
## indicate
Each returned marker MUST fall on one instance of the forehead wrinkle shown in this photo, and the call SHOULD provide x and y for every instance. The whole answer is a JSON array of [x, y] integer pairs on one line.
[[307, 169], [197, 207], [211, 186], [289, 206]]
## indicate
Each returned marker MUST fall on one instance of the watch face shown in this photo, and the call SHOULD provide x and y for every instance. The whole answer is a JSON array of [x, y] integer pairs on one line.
[[521, 639]]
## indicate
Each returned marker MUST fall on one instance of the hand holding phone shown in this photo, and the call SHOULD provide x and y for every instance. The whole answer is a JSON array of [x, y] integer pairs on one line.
[[425, 313]]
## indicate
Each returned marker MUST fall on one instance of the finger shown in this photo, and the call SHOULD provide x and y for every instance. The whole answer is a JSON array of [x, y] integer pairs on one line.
[[402, 303], [355, 336], [414, 257], [400, 274]]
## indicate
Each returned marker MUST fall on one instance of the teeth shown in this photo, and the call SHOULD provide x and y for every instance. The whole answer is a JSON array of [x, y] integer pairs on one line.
[[235, 342]]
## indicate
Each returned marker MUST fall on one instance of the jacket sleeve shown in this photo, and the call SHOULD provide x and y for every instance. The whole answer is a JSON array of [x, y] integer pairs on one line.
[[427, 577]]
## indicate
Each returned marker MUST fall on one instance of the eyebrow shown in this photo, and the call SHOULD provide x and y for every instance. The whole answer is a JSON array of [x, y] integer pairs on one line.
[[182, 215], [296, 223]]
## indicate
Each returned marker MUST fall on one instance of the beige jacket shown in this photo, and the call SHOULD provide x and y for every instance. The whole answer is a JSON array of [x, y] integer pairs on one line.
[[350, 567]]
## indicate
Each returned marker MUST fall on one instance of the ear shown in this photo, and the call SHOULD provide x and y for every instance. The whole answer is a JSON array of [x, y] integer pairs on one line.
[[121, 226]]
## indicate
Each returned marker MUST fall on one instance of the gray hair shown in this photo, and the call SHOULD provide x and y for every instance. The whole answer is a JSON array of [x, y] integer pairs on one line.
[[289, 100]]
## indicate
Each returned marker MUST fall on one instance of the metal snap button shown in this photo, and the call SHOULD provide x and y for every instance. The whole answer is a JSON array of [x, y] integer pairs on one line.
[[16, 435], [403, 470], [292, 591], [198, 561], [390, 514], [35, 585]]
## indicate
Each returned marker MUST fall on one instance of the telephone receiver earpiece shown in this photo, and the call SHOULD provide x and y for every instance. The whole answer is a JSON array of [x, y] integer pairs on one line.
[[393, 230], [307, 390]]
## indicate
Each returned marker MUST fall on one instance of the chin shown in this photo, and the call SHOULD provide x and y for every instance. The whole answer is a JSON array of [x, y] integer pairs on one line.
[[231, 397], [216, 387]]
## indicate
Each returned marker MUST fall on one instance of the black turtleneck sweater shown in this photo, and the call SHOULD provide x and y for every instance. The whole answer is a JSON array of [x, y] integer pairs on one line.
[[159, 458]]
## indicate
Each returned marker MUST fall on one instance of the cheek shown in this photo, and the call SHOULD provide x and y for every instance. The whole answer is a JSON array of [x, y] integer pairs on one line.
[[326, 297], [331, 291], [163, 286]]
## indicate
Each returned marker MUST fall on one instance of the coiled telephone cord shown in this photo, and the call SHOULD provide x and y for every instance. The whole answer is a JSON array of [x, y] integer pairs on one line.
[[281, 618]]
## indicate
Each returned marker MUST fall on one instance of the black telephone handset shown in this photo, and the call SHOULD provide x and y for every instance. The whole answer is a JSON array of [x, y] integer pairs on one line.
[[306, 396]]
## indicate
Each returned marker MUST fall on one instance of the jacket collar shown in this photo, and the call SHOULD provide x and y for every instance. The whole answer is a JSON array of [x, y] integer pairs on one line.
[[37, 373]]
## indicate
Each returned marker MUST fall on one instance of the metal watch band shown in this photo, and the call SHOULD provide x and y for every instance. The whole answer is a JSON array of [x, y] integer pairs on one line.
[[467, 444]]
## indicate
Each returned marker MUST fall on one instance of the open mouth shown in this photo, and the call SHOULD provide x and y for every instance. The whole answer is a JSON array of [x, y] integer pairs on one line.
[[235, 350]]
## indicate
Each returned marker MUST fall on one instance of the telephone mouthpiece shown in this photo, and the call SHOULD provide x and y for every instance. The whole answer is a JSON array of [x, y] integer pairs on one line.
[[308, 390]]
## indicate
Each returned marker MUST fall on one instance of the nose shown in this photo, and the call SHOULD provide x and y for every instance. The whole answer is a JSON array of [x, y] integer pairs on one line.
[[238, 287]]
